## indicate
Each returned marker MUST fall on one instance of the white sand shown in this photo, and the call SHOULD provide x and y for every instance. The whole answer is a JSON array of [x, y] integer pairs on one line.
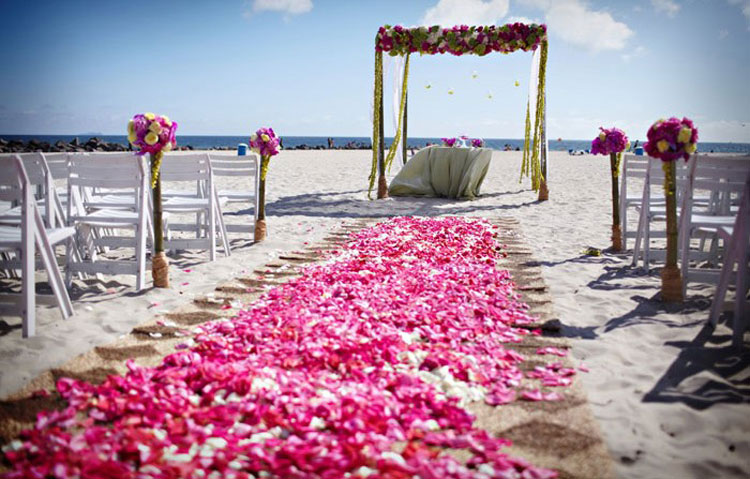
[[671, 397]]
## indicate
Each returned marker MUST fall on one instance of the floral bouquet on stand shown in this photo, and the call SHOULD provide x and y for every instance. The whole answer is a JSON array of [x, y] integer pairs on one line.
[[265, 143], [155, 135], [461, 142], [613, 142], [669, 140], [449, 142]]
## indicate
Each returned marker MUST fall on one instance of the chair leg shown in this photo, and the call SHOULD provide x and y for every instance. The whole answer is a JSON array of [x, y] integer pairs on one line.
[[28, 288], [211, 216], [684, 249], [624, 226], [647, 242], [55, 278], [140, 256], [723, 284], [638, 240], [740, 305], [222, 227]]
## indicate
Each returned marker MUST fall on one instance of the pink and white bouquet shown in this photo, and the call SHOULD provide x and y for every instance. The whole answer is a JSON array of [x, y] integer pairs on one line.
[[151, 133], [671, 139], [612, 140], [461, 141], [449, 142], [266, 144]]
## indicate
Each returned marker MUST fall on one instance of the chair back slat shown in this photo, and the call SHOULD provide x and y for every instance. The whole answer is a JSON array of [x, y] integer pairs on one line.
[[185, 167], [11, 183], [111, 171], [234, 166]]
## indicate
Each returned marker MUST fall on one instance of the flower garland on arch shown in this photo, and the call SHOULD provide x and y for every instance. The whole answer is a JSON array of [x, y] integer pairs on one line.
[[460, 39]]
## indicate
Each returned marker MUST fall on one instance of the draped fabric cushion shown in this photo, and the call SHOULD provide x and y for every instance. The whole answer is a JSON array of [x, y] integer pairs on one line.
[[443, 172]]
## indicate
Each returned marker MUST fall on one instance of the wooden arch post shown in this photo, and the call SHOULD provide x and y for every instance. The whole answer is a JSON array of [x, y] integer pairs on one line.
[[543, 190], [382, 183]]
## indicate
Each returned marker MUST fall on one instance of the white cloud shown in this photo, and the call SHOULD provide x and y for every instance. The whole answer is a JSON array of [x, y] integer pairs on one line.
[[287, 7], [723, 33], [571, 20], [574, 22], [670, 7], [636, 52], [469, 12], [745, 7], [526, 20]]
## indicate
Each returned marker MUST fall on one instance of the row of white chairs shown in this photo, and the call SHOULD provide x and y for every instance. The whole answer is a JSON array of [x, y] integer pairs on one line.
[[711, 191], [107, 196]]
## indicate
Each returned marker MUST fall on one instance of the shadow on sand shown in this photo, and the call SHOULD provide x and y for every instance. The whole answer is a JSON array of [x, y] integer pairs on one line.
[[725, 372], [708, 370]]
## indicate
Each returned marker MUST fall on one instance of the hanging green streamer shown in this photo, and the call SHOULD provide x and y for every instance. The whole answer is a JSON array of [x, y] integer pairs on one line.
[[402, 106], [536, 166], [526, 144], [377, 98]]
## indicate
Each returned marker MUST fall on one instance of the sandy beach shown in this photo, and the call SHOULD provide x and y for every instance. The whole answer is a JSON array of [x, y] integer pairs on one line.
[[670, 394]]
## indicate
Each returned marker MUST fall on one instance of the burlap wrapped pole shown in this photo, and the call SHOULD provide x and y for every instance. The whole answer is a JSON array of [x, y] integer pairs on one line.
[[260, 222], [543, 191], [382, 187], [159, 263], [671, 280], [614, 164]]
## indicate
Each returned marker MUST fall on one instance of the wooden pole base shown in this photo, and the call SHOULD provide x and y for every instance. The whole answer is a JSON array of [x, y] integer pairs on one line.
[[616, 238], [671, 284], [543, 191], [382, 187], [160, 270], [260, 230]]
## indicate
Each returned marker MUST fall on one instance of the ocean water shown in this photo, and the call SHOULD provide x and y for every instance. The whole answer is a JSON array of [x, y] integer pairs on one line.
[[207, 142]]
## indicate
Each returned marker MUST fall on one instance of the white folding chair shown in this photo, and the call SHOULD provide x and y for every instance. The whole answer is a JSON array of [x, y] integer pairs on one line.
[[723, 178], [48, 200], [234, 167], [652, 209], [29, 236], [99, 227], [737, 250], [632, 167], [195, 170]]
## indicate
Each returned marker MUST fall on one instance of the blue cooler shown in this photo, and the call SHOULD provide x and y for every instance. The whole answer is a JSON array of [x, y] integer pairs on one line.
[[241, 149], [639, 151]]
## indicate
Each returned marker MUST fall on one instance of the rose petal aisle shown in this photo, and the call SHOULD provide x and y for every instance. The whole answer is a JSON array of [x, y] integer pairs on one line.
[[365, 366]]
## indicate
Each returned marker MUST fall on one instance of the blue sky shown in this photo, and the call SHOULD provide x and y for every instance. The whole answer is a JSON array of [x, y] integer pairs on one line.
[[305, 67]]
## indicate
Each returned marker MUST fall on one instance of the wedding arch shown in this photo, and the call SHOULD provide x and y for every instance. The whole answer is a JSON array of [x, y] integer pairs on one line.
[[399, 41]]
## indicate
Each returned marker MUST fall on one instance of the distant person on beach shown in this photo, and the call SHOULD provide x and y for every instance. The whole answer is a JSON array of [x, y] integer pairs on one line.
[[281, 143], [330, 143]]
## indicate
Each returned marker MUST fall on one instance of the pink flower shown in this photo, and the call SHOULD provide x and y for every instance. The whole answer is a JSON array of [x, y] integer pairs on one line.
[[671, 139], [609, 141]]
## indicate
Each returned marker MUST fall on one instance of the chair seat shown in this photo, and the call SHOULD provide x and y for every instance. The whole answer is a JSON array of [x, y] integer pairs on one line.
[[708, 221], [108, 218], [177, 194], [12, 216], [236, 195], [187, 204], [10, 236], [112, 201]]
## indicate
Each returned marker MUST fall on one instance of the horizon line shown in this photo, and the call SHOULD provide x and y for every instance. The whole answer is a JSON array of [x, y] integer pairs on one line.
[[92, 135]]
